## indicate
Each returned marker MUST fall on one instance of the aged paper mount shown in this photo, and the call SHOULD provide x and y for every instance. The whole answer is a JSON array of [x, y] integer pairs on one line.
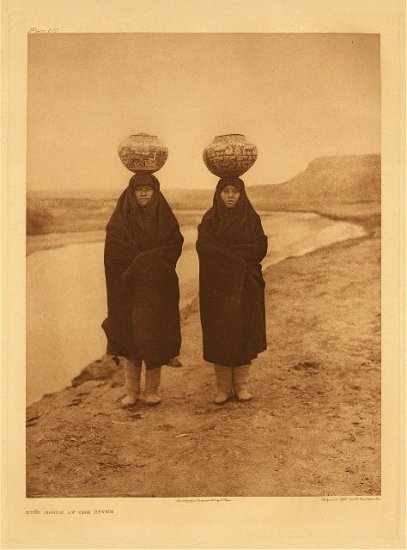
[[337, 522]]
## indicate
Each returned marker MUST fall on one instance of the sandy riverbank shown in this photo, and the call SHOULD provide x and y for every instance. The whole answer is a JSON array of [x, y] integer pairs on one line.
[[313, 427]]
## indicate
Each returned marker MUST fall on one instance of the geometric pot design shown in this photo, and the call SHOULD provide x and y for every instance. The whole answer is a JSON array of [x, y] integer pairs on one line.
[[143, 153], [229, 155]]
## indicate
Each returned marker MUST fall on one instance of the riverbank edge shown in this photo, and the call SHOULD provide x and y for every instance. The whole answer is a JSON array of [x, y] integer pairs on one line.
[[49, 241], [105, 367]]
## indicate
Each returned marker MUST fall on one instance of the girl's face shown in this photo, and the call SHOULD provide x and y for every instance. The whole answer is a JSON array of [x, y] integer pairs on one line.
[[230, 195], [144, 194]]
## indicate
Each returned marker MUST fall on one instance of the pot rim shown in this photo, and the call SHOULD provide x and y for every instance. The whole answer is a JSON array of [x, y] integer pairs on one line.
[[143, 134], [227, 135]]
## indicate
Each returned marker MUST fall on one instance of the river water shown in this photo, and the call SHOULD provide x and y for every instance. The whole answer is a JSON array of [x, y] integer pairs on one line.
[[66, 295]]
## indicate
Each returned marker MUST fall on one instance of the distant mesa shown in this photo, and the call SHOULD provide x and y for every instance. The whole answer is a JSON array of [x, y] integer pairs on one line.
[[342, 179]]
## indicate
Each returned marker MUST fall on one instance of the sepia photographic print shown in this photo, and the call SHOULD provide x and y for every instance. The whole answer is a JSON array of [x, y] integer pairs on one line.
[[314, 117], [203, 271]]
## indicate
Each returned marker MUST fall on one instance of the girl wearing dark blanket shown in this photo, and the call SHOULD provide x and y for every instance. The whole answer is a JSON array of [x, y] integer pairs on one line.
[[143, 244], [231, 244]]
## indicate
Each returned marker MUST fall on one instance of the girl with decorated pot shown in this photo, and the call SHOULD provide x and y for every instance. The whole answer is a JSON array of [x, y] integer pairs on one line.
[[142, 247], [231, 244]]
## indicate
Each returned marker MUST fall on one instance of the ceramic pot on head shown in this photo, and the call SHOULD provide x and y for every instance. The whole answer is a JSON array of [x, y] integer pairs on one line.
[[229, 155], [143, 153]]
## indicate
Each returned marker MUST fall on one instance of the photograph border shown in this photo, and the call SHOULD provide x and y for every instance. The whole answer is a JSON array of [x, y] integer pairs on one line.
[[277, 522]]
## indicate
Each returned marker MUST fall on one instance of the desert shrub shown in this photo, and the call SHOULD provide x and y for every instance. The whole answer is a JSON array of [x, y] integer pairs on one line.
[[39, 220]]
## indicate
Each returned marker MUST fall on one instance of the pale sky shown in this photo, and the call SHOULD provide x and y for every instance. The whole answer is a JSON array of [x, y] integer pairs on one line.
[[296, 96]]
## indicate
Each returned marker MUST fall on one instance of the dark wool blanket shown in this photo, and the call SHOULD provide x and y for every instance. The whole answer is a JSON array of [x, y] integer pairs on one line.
[[231, 244], [142, 248]]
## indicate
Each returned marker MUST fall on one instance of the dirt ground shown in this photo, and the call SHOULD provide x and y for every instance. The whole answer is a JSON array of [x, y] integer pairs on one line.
[[312, 429]]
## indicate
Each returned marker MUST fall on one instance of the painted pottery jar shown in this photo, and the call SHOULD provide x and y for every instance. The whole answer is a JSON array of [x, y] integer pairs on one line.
[[229, 155], [143, 153]]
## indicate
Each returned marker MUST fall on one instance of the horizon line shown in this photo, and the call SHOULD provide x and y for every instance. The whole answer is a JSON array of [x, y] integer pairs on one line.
[[206, 188]]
